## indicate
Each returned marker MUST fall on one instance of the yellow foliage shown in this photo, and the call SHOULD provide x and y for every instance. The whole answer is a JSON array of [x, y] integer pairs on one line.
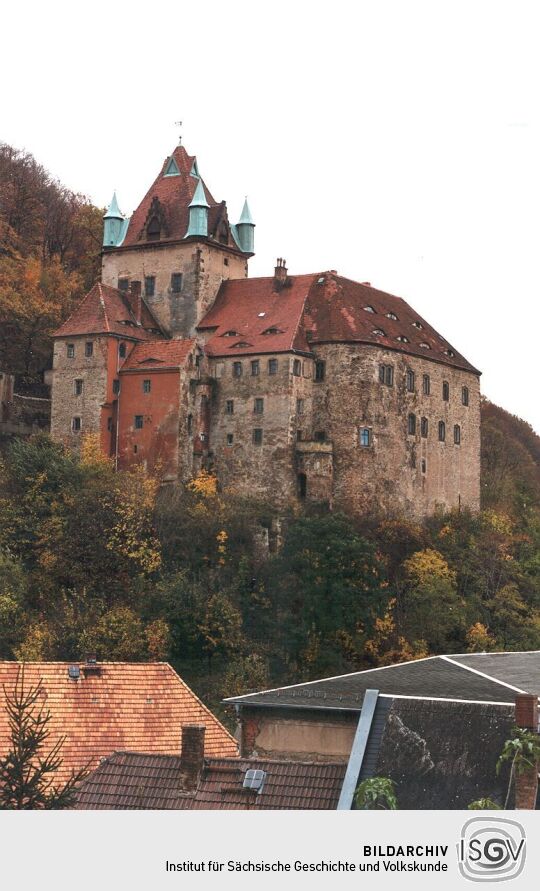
[[92, 454], [38, 645], [204, 484], [426, 566], [132, 534], [500, 523], [479, 639]]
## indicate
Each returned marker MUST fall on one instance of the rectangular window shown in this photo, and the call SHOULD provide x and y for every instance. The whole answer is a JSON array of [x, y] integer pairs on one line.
[[258, 406], [70, 350], [464, 395], [75, 424], [149, 285], [424, 427], [122, 350], [457, 434], [176, 282], [386, 375], [272, 366], [138, 422], [89, 348], [255, 367], [426, 384], [297, 367], [230, 438], [409, 378], [299, 406], [257, 436], [411, 425], [229, 407], [320, 368], [446, 391], [365, 436], [147, 386], [237, 369], [123, 284], [320, 436], [109, 424], [116, 386], [78, 387]]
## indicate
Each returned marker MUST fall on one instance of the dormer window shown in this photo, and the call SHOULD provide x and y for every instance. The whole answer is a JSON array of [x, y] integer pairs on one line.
[[417, 325], [273, 331], [392, 315], [230, 334], [242, 344], [425, 346], [153, 231], [402, 338], [378, 332], [368, 309]]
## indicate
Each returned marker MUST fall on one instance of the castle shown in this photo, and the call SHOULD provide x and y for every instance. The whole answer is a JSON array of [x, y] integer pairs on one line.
[[309, 388]]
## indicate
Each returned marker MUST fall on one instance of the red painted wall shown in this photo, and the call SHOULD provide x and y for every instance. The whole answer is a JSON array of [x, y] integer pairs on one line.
[[157, 442]]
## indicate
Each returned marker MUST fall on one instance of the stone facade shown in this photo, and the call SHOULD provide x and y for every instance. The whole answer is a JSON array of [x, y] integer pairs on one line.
[[72, 400]]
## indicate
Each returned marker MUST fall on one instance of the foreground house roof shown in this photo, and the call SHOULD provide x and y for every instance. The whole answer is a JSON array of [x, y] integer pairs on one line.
[[133, 781], [268, 315], [114, 705], [472, 677], [106, 310]]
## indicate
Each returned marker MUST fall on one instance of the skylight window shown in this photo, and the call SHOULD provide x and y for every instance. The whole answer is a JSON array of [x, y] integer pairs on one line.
[[320, 280], [273, 331], [379, 332], [425, 346], [392, 315], [254, 781], [261, 315], [368, 309], [241, 344]]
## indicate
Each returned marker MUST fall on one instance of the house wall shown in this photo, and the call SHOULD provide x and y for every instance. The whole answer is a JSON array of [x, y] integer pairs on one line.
[[156, 444], [203, 266], [93, 371], [297, 734]]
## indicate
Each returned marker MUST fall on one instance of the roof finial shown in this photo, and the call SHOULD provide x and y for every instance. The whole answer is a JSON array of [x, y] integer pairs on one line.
[[179, 124]]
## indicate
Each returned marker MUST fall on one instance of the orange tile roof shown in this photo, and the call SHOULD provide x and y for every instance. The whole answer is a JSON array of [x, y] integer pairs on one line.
[[105, 310], [318, 308], [137, 706], [161, 354]]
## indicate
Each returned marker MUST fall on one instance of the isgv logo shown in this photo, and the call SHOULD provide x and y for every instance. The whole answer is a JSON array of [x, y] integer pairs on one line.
[[491, 850]]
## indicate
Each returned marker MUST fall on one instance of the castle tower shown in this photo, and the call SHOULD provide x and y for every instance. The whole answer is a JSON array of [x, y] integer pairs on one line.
[[179, 244]]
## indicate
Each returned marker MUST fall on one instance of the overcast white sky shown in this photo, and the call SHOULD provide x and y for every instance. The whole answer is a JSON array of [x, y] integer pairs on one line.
[[397, 142]]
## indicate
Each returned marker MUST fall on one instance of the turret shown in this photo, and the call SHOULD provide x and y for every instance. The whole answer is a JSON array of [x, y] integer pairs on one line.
[[198, 213], [114, 225], [245, 230]]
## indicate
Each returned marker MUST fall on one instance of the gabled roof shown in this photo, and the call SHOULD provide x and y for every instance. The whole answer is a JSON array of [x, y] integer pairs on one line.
[[140, 706], [159, 355], [319, 308], [174, 194], [133, 780], [478, 677], [106, 310]]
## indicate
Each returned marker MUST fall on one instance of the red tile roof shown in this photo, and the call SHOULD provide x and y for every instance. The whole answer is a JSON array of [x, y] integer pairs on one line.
[[133, 781], [161, 354], [128, 706], [105, 310], [174, 194], [318, 308]]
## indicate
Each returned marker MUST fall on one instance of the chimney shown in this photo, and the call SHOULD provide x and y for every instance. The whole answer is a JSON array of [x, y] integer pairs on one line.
[[135, 300], [191, 756], [526, 716], [280, 273]]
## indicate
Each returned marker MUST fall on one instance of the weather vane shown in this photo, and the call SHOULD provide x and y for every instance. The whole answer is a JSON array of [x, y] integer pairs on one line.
[[179, 124]]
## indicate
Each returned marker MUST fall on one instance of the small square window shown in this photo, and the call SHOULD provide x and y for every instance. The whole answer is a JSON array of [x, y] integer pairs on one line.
[[89, 348], [365, 437], [272, 366], [299, 406], [297, 367], [122, 350], [138, 422], [147, 386], [320, 436], [237, 369], [149, 285], [255, 367], [70, 350], [78, 387], [230, 438], [116, 386], [257, 436], [75, 424], [176, 282], [229, 407], [135, 449], [123, 284], [258, 406]]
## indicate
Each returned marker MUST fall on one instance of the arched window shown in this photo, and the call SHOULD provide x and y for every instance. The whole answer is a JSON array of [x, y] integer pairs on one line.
[[457, 434], [442, 431], [464, 395], [409, 379], [424, 427], [153, 231], [411, 425], [426, 384]]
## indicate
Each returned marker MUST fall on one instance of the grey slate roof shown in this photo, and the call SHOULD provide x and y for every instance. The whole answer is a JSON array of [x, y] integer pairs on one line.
[[461, 677]]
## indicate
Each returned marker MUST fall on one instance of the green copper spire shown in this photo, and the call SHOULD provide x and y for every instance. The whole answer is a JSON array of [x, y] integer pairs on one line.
[[244, 231], [114, 225], [198, 213]]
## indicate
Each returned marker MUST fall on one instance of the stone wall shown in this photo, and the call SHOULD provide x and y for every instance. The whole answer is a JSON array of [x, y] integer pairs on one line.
[[297, 734], [21, 415], [66, 404], [203, 266]]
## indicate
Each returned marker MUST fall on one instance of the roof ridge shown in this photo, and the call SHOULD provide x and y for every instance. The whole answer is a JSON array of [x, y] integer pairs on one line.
[[482, 674]]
